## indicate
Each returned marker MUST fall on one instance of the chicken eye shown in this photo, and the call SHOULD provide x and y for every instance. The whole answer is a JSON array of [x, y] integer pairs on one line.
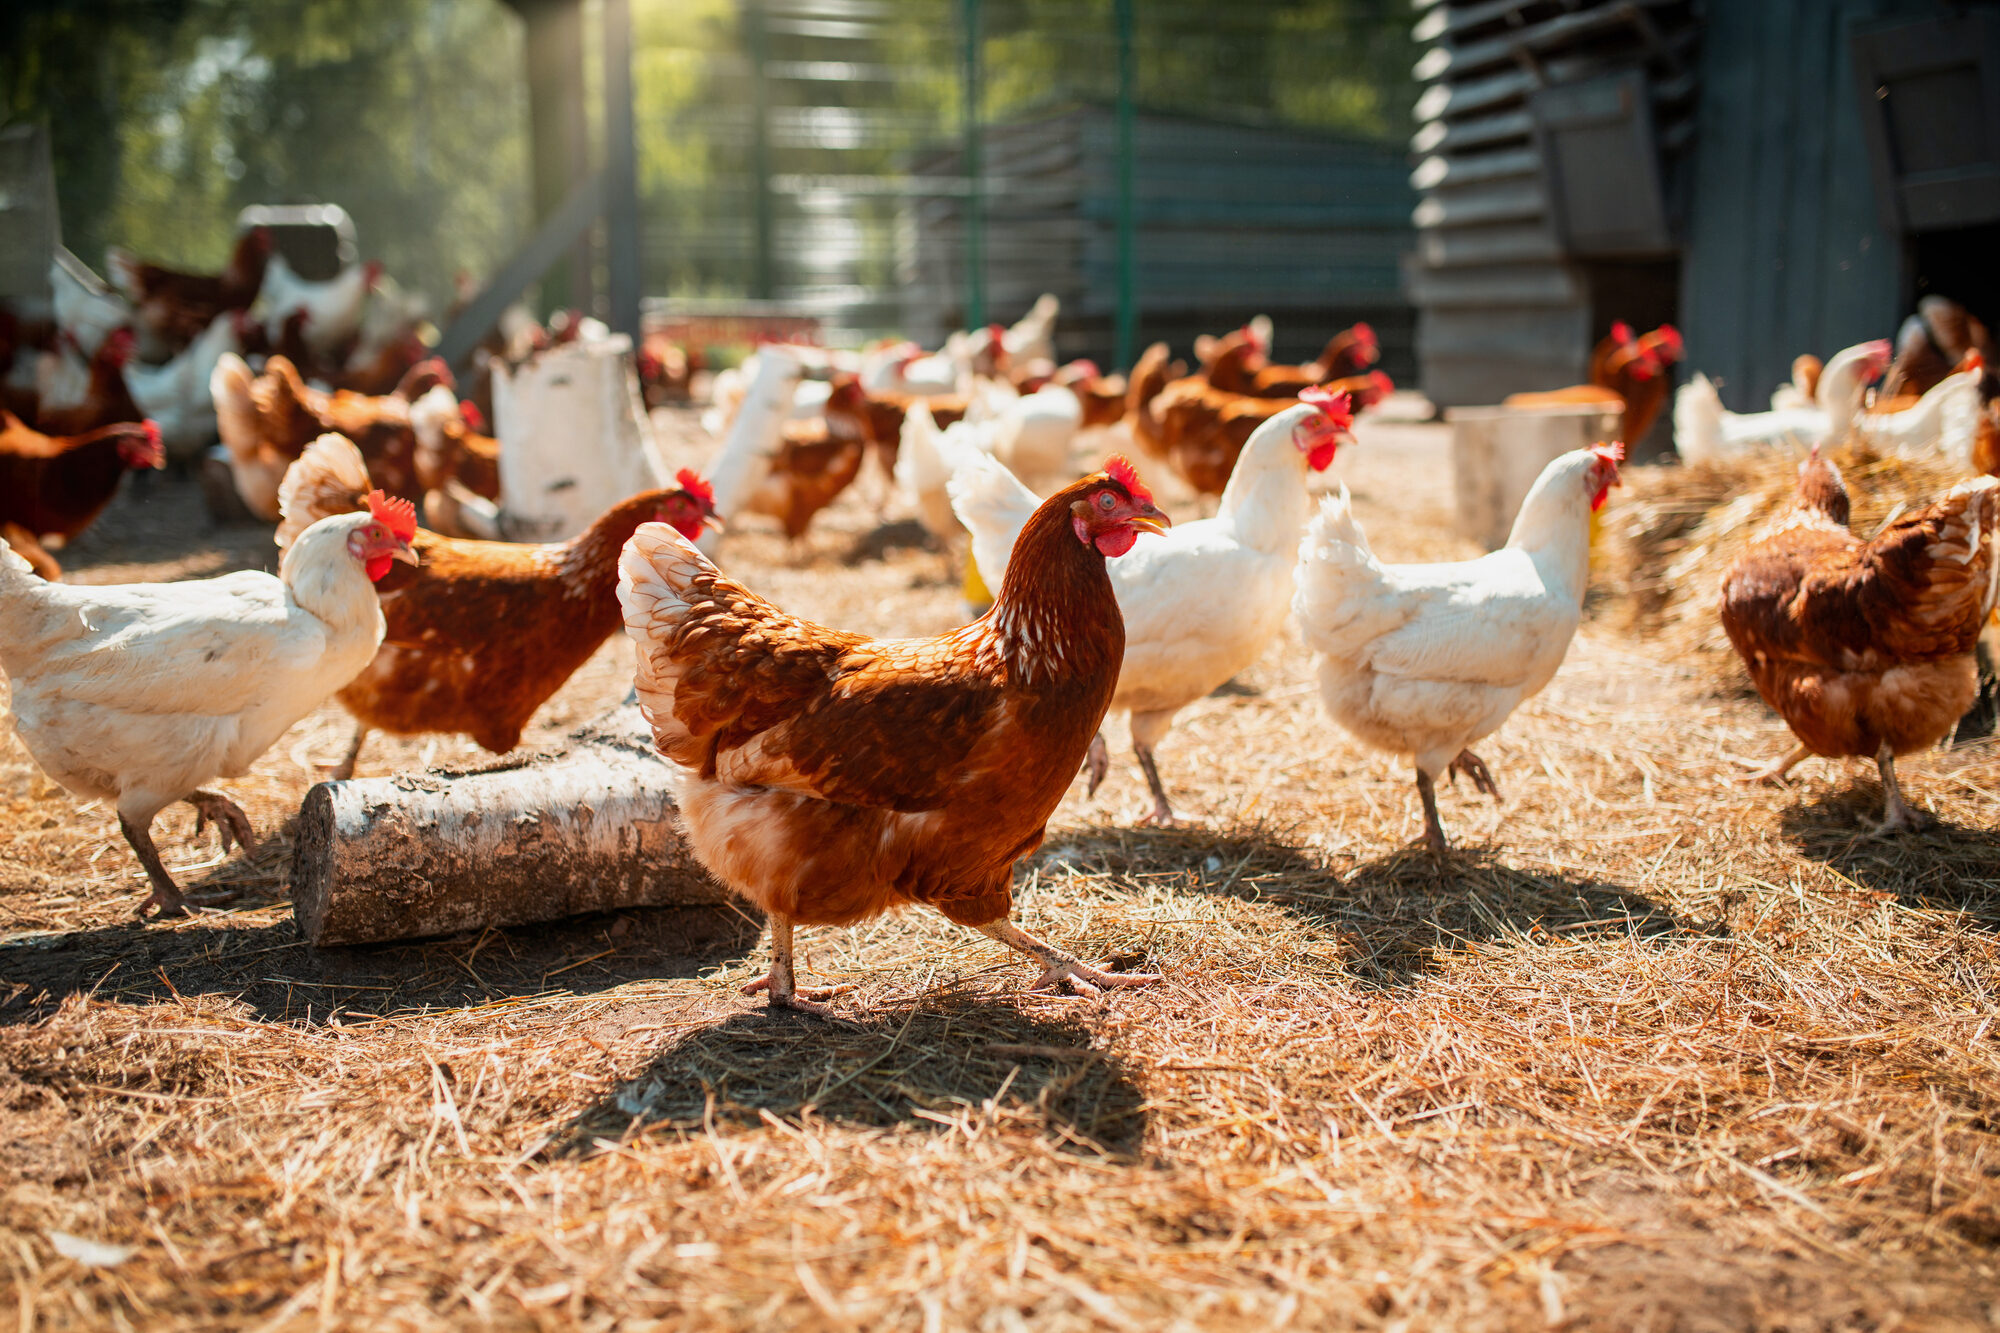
[[1105, 500]]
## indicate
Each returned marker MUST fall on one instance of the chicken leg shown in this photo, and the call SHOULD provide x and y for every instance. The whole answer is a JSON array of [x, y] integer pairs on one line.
[[1148, 729], [1058, 967], [166, 894], [780, 982], [210, 808], [1433, 830], [1896, 812], [344, 770], [1776, 771], [1475, 768], [1096, 762]]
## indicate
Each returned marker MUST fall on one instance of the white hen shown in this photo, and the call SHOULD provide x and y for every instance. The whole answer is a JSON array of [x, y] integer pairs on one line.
[[333, 307], [139, 693], [1704, 430], [1938, 424], [1425, 660], [1201, 603], [179, 394]]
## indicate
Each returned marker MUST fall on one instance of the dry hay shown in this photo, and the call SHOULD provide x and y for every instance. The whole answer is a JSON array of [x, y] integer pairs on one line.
[[1655, 1052], [1673, 532]]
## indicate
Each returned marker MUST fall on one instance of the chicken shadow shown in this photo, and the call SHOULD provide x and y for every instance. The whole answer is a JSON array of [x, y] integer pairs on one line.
[[1398, 914], [947, 1056], [1946, 865], [280, 978]]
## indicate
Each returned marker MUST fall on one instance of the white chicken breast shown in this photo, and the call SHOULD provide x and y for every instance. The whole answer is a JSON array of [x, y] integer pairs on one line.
[[1201, 603], [139, 693], [1426, 660]]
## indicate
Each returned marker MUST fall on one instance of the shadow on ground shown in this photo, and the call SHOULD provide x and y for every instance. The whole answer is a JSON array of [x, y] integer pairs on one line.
[[1399, 913], [284, 980], [946, 1054], [1947, 866]]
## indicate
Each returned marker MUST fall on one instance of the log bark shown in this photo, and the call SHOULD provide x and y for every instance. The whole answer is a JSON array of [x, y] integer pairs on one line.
[[588, 829]]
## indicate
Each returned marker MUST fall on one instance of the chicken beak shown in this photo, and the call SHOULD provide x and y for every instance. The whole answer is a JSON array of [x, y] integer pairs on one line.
[[405, 553], [713, 522], [1150, 519]]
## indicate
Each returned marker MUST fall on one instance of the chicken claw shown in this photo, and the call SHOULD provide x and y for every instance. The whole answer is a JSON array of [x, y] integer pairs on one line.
[[227, 816], [1096, 763], [1475, 768], [778, 982], [1776, 772], [1059, 967], [1897, 814]]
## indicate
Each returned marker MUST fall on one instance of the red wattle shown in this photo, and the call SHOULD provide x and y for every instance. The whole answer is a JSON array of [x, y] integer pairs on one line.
[[378, 565], [1597, 501], [1321, 456], [691, 530], [1117, 541]]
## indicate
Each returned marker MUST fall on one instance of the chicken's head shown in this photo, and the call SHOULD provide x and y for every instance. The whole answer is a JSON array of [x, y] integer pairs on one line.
[[1380, 386], [1822, 487], [474, 419], [117, 349], [1367, 347], [385, 537], [1621, 333], [140, 446], [1320, 434], [1603, 474], [1666, 345], [1114, 508], [1876, 355], [691, 508]]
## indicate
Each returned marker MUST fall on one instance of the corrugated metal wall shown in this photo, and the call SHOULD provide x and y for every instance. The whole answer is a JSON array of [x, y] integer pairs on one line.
[[1231, 221], [1786, 252]]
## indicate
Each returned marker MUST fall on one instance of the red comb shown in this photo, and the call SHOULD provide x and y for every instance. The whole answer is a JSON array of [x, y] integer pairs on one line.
[[697, 486], [1380, 383], [1338, 407], [1613, 452], [395, 513], [474, 419], [1119, 468], [1669, 342], [1364, 333], [1973, 361], [1621, 332], [152, 432]]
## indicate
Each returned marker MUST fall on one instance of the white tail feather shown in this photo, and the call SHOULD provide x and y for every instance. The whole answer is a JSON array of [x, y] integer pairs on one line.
[[326, 480]]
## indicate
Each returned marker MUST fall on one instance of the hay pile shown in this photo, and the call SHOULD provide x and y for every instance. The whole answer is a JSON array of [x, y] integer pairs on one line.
[[1673, 534]]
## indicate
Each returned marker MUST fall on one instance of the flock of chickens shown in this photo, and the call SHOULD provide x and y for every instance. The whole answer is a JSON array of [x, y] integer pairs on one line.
[[824, 775]]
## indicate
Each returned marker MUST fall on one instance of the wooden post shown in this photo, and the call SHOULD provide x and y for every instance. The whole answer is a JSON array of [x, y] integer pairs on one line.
[[419, 854], [621, 174], [559, 134]]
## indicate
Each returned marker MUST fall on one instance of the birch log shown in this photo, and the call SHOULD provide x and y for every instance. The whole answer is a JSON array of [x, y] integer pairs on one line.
[[586, 830]]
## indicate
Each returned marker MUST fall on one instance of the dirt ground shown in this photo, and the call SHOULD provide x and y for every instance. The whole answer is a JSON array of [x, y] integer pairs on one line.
[[1655, 1050]]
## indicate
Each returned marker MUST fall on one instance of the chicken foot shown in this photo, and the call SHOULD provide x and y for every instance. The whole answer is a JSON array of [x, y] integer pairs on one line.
[[780, 981], [212, 807], [1475, 768], [1433, 830], [231, 824], [1097, 763], [344, 770], [166, 894], [1776, 771], [1058, 966], [1162, 814], [1896, 812]]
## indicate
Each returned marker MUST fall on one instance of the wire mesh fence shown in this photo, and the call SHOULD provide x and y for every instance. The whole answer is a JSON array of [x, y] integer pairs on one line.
[[822, 154]]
